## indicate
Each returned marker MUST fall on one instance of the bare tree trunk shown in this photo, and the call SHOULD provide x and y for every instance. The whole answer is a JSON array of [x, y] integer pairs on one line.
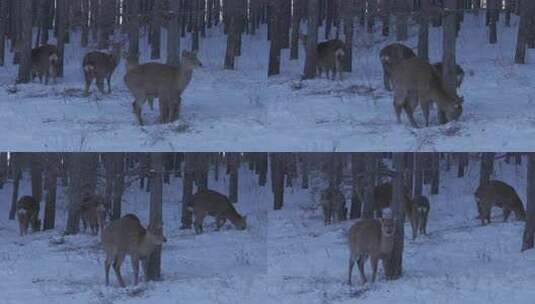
[[298, 7], [173, 39], [526, 21], [423, 31], [187, 190], [155, 216], [3, 169], [529, 228], [435, 169], [492, 8], [15, 164], [61, 21], [394, 264], [487, 167], [386, 17], [311, 59], [448, 59], [233, 35], [402, 13], [357, 168], [3, 29], [276, 32], [25, 44], [277, 179], [155, 28], [370, 168], [51, 182], [133, 31], [349, 15], [418, 173], [234, 164]]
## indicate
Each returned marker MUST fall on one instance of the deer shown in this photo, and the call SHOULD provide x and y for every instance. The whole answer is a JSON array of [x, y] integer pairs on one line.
[[92, 212], [373, 238], [496, 193], [415, 82], [28, 214], [100, 66], [45, 62], [459, 72], [331, 58], [333, 203], [165, 81], [421, 208], [390, 56], [212, 203], [126, 236], [383, 199]]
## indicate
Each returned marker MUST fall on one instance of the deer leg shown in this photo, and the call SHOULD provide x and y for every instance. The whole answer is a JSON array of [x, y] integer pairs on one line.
[[425, 109], [374, 261], [107, 265], [88, 81], [351, 265], [150, 99], [135, 266], [399, 100], [109, 83], [409, 112], [117, 267], [360, 263], [137, 104], [220, 221], [100, 85], [386, 79], [164, 108], [199, 218], [425, 221], [506, 213]]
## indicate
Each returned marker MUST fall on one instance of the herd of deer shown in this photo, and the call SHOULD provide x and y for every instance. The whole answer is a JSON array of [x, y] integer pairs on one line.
[[145, 81], [414, 81], [126, 235], [374, 238]]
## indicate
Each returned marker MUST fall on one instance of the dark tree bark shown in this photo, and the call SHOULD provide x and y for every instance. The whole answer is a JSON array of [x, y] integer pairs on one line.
[[173, 39], [402, 13], [435, 169], [298, 10], [36, 174], [61, 22], [423, 30], [492, 7], [449, 48], [529, 229], [155, 29], [370, 168], [234, 165], [311, 59], [462, 158], [3, 169], [232, 15], [418, 173], [349, 15], [51, 182], [187, 190], [357, 170], [3, 29], [133, 23], [15, 164], [155, 216], [277, 179], [25, 44], [386, 17], [525, 26], [276, 37], [394, 264], [487, 167]]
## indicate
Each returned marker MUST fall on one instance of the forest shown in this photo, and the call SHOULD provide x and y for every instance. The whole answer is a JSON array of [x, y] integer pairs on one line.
[[73, 72], [459, 225]]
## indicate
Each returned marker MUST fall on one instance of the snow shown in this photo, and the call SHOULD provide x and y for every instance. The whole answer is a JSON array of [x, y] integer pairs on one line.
[[285, 256], [209, 268], [243, 110]]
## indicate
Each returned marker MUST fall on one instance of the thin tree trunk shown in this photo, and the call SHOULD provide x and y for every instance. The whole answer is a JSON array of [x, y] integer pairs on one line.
[[311, 59], [234, 164], [529, 228], [51, 182], [370, 168], [25, 45], [155, 216], [187, 190]]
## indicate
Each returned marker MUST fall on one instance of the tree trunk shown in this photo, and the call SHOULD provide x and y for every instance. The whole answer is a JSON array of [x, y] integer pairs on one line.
[[296, 24], [155, 28], [155, 217], [187, 190], [529, 228], [448, 59], [277, 179], [357, 168], [492, 8], [311, 59], [15, 165], [233, 35], [423, 31], [25, 44], [435, 169], [234, 164], [349, 15], [133, 31], [173, 40], [51, 182], [276, 32], [524, 28], [370, 168], [394, 263], [418, 173], [487, 167], [61, 21]]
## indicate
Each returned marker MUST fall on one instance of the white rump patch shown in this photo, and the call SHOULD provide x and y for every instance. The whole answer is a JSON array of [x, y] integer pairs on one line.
[[387, 213], [53, 57], [340, 53], [89, 68], [22, 212]]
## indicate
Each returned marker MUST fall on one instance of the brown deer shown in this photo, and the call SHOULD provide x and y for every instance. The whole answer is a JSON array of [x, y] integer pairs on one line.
[[496, 193], [212, 203], [28, 214], [45, 62], [126, 236], [390, 56], [167, 82], [93, 213], [100, 66], [383, 199], [415, 81], [333, 203], [331, 58], [459, 72], [373, 238], [422, 207]]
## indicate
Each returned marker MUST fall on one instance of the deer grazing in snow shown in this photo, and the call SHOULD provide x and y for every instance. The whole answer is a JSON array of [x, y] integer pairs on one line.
[[126, 236], [496, 193], [167, 82], [415, 82], [212, 203]]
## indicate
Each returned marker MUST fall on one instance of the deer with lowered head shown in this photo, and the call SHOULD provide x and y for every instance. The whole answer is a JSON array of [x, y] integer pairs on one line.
[[100, 66]]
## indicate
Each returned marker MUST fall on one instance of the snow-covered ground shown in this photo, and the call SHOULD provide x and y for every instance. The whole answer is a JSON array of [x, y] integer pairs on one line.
[[213, 267], [459, 261], [285, 256], [243, 110]]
